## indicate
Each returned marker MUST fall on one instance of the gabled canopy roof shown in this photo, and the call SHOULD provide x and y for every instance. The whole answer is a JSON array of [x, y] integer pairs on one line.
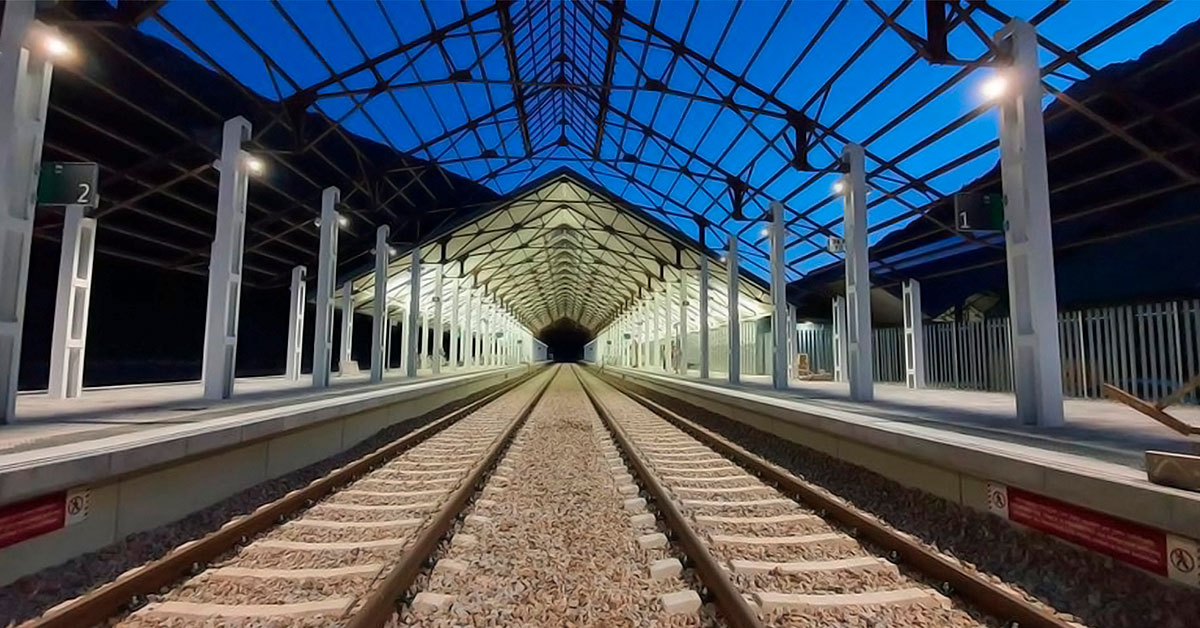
[[562, 248]]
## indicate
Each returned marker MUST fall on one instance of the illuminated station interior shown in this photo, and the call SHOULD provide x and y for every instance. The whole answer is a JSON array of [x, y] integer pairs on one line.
[[365, 313]]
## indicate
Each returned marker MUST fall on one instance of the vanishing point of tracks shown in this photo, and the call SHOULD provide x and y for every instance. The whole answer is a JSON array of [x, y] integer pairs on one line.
[[562, 535]]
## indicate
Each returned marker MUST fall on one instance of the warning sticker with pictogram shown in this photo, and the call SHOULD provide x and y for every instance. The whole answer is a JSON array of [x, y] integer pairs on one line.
[[1149, 548], [1183, 556], [41, 515], [997, 499], [78, 501]]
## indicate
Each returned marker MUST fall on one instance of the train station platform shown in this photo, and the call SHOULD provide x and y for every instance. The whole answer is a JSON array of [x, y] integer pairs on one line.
[[144, 455], [1095, 428], [962, 445]]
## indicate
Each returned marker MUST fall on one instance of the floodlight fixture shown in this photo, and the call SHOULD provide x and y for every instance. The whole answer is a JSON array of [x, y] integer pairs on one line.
[[255, 166], [56, 46], [995, 87]]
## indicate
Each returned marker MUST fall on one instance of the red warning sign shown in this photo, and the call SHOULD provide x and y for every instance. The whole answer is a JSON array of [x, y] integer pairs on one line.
[[37, 516], [30, 518], [1129, 542]]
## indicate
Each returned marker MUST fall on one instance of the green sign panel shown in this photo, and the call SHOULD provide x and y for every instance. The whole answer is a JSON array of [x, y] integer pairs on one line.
[[979, 212], [68, 183]]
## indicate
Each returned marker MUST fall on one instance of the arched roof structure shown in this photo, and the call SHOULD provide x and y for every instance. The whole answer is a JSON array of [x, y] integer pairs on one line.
[[563, 248]]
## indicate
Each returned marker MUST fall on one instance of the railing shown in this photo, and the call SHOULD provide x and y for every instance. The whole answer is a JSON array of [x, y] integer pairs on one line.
[[1147, 350]]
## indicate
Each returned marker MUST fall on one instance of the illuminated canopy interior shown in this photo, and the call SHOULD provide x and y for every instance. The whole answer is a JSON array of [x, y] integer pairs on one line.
[[561, 248]]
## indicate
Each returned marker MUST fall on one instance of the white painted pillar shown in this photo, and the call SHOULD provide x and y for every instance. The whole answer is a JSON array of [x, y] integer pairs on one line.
[[455, 319], [69, 341], [414, 311], [779, 304], [704, 351], [380, 317], [734, 326], [24, 95], [839, 339], [422, 335], [791, 341], [326, 271], [669, 335], [435, 340], [468, 339], [681, 359], [1032, 295], [347, 328], [296, 324], [858, 281], [225, 265], [914, 335]]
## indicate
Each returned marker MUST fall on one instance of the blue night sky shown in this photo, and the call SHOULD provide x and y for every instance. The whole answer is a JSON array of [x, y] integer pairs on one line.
[[656, 127]]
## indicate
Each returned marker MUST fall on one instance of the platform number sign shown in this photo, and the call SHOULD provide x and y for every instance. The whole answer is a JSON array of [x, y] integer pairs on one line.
[[979, 212], [69, 183]]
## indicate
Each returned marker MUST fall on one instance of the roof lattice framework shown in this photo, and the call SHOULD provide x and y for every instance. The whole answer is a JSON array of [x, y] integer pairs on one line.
[[696, 113]]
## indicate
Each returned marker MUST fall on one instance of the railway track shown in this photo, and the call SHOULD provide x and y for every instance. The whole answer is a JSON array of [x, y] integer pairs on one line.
[[336, 553], [774, 550]]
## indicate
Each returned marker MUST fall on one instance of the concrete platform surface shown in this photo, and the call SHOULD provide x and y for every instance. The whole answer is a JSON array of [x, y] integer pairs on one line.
[[959, 445], [111, 410], [1096, 428], [117, 430]]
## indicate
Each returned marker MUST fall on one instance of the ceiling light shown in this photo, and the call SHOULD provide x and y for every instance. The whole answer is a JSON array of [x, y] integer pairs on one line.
[[56, 46], [994, 87], [343, 221], [839, 186], [255, 166], [766, 231], [391, 250]]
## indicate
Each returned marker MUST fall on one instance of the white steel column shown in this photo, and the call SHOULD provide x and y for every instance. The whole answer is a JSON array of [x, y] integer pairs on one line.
[[296, 324], [347, 327], [455, 330], [24, 94], [435, 342], [380, 320], [681, 359], [858, 281], [734, 324], [839, 339], [659, 334], [704, 357], [69, 341], [468, 330], [779, 305], [326, 270], [793, 350], [422, 334], [914, 335], [414, 310], [225, 265], [1032, 296], [669, 334]]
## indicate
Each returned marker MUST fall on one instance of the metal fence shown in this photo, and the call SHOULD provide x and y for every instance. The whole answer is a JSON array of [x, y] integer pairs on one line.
[[1148, 350]]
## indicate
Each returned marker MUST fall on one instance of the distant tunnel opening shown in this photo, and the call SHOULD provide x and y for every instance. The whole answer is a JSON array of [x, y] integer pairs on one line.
[[565, 339]]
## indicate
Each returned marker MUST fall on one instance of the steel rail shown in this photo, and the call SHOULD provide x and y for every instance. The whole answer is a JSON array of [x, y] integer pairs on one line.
[[380, 605], [992, 598], [105, 602], [733, 607]]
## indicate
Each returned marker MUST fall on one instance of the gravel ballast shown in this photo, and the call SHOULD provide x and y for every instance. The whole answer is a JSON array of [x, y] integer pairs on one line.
[[552, 543], [325, 545], [792, 539], [1094, 590]]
